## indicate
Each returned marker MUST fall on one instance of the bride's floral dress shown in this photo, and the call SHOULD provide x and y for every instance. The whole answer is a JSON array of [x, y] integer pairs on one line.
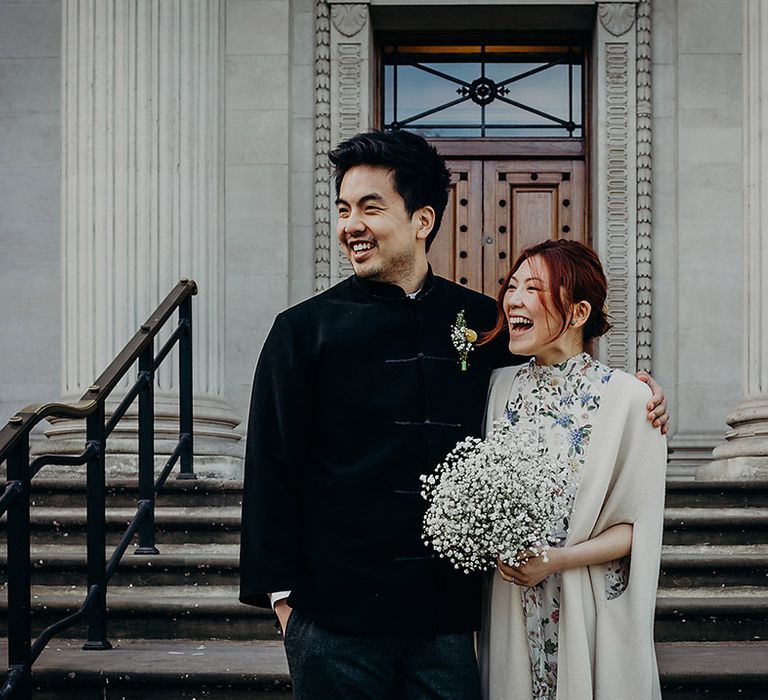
[[558, 402]]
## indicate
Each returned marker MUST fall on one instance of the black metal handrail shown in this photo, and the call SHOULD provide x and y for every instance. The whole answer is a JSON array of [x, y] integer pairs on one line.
[[14, 450]]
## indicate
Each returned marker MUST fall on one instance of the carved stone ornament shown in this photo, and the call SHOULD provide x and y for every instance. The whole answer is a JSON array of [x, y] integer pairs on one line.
[[349, 19], [322, 146], [618, 171], [644, 187], [616, 17]]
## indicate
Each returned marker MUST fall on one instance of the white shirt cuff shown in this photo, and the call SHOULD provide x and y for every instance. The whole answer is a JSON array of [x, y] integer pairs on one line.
[[279, 595]]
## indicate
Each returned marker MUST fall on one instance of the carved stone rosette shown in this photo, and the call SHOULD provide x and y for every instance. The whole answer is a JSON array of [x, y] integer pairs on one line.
[[349, 19], [616, 17]]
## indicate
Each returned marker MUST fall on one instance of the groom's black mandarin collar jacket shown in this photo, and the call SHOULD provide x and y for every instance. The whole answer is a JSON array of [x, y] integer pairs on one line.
[[358, 391]]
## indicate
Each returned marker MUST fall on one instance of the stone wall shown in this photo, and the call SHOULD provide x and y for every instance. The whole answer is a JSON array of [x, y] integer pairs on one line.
[[257, 182]]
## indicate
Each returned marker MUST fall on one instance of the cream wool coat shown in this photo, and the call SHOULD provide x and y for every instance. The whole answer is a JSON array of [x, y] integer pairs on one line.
[[606, 648]]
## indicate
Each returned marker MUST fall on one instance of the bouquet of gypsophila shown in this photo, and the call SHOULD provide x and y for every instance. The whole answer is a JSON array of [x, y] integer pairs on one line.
[[493, 498]]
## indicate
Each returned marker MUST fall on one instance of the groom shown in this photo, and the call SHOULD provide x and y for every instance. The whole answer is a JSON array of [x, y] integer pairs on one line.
[[358, 391]]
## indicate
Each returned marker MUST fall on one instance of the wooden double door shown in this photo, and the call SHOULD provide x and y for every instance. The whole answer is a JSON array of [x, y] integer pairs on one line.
[[496, 208]]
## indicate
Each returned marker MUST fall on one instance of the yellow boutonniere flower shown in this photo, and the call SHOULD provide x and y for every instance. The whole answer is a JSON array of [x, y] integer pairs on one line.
[[463, 339]]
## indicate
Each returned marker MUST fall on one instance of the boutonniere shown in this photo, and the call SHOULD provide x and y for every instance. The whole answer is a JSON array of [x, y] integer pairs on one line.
[[463, 339]]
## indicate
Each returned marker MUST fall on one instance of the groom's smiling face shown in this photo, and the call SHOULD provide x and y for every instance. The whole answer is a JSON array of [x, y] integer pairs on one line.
[[376, 232]]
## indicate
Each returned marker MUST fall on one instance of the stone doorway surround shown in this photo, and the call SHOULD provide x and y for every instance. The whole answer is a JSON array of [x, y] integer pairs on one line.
[[621, 148]]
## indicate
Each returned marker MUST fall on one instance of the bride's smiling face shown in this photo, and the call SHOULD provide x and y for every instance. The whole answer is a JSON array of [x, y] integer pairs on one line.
[[531, 325], [535, 325]]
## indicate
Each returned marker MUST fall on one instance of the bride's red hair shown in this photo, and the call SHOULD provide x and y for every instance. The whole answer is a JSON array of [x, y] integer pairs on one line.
[[575, 270]]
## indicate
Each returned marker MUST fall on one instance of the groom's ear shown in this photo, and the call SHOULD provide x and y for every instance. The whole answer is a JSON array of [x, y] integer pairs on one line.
[[425, 221]]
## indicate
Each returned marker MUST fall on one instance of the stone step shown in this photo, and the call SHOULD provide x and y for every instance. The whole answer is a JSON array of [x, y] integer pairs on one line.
[[715, 526], [175, 525], [737, 613], [714, 565], [198, 564], [217, 564], [158, 612], [690, 493], [163, 670], [185, 669], [50, 491], [202, 492], [211, 611], [54, 491], [222, 524], [713, 670]]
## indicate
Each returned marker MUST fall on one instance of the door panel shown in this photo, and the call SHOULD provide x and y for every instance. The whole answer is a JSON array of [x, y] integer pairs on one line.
[[453, 253], [534, 214], [527, 202], [497, 208]]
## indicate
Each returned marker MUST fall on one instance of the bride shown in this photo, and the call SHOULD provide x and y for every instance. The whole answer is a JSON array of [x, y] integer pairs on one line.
[[577, 623]]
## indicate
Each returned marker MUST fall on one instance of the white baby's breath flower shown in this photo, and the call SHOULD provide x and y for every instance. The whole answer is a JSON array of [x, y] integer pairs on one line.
[[493, 497]]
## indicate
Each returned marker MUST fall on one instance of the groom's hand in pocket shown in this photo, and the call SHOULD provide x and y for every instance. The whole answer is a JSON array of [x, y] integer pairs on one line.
[[283, 612]]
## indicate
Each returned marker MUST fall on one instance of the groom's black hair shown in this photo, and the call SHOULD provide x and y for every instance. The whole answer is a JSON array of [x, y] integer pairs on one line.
[[420, 175]]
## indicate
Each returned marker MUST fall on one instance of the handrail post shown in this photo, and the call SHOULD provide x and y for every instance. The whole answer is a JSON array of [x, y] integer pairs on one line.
[[185, 391], [97, 531], [147, 452], [19, 584]]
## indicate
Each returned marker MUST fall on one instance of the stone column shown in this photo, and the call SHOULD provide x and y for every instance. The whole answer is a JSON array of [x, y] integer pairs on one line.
[[745, 452], [142, 88]]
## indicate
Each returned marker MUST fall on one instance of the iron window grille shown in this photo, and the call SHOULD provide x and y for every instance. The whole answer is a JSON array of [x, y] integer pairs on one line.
[[484, 90]]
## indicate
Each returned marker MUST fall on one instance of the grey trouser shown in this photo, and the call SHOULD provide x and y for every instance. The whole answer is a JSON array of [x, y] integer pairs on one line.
[[327, 665]]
